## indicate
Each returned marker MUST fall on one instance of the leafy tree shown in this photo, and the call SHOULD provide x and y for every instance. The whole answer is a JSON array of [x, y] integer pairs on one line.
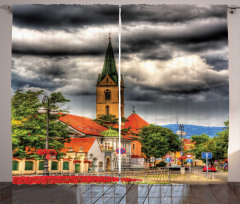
[[106, 120], [157, 141], [200, 139], [29, 127], [217, 145]]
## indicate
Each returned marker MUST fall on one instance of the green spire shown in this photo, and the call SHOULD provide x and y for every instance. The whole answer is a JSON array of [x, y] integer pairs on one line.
[[109, 66]]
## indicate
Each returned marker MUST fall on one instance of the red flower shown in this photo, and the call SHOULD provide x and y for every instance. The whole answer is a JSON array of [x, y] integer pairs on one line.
[[68, 179], [53, 152]]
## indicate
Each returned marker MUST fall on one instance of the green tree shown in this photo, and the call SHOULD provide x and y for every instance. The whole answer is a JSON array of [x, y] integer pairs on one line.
[[106, 120], [29, 127], [217, 145], [200, 139], [157, 141]]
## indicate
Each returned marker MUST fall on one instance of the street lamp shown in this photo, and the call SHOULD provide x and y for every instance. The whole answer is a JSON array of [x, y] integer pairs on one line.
[[49, 112], [181, 132]]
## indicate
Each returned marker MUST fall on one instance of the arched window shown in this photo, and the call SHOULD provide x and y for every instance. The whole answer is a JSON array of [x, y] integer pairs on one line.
[[107, 94], [107, 110]]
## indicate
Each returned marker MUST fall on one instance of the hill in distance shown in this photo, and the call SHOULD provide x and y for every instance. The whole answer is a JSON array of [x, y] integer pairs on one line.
[[195, 130]]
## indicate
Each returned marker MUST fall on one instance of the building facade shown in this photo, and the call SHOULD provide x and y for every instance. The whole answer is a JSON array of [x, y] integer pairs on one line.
[[78, 159]]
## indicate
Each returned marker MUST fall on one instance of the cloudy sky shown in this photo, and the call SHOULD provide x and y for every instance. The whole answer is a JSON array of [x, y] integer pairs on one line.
[[174, 58]]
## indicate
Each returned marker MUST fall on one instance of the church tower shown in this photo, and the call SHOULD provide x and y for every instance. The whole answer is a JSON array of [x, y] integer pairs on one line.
[[107, 97]]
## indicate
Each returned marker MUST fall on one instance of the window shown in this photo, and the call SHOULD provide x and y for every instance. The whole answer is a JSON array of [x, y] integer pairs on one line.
[[100, 164], [77, 167], [133, 146], [54, 166], [28, 165], [107, 94], [41, 165], [65, 165], [107, 110], [15, 165], [107, 145]]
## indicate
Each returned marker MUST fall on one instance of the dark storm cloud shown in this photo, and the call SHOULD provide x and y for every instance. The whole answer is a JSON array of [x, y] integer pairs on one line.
[[150, 94], [19, 82], [63, 16], [26, 49], [62, 48], [207, 37], [159, 32], [52, 72], [218, 62], [170, 13], [67, 75]]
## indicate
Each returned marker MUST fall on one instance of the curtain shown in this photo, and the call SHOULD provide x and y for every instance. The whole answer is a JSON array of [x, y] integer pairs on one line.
[[67, 89]]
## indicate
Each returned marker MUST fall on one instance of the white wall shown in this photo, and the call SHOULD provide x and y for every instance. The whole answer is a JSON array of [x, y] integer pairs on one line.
[[5, 94], [5, 76], [234, 83], [97, 153]]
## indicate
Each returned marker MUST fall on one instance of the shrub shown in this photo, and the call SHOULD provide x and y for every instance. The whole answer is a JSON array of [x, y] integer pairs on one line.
[[161, 164]]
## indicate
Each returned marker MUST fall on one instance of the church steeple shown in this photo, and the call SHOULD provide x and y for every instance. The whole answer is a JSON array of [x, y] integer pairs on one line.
[[109, 66], [107, 90]]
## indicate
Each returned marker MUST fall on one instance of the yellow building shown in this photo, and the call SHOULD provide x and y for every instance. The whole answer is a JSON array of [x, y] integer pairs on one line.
[[107, 94], [77, 159]]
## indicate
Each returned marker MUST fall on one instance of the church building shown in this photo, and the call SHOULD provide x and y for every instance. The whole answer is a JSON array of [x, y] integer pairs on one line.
[[107, 95]]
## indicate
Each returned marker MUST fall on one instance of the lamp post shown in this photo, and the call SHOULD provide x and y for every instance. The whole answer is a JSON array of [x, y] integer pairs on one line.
[[49, 112], [181, 132]]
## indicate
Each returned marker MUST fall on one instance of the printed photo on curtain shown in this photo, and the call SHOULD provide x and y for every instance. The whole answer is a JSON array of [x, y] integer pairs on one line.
[[175, 69], [65, 92]]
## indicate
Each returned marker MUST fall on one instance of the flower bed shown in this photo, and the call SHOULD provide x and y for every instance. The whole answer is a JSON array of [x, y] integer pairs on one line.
[[69, 179]]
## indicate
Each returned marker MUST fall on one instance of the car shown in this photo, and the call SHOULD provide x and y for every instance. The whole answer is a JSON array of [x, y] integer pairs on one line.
[[210, 169]]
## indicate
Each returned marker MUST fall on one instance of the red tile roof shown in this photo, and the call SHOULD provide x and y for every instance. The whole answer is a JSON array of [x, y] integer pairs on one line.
[[127, 138], [83, 124], [136, 123], [76, 143]]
